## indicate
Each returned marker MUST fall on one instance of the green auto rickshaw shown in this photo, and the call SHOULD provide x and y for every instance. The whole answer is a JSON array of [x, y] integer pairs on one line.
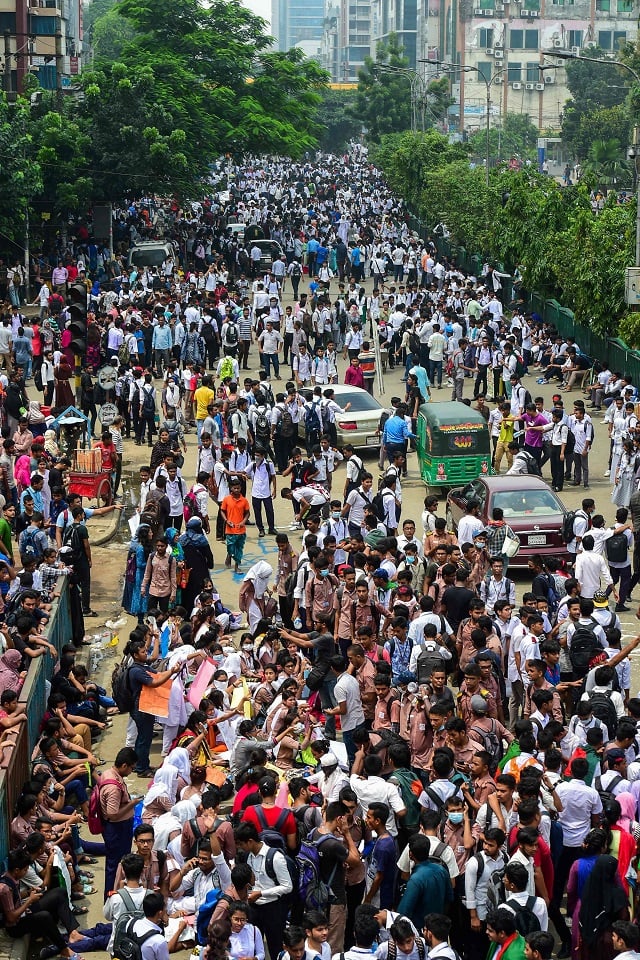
[[453, 444]]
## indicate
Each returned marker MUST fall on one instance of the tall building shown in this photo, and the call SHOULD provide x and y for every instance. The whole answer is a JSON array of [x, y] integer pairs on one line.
[[297, 23], [402, 18], [502, 41], [346, 39], [43, 37]]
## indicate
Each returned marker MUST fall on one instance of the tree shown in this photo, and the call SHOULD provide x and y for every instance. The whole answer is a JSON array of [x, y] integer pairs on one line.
[[21, 176], [601, 123], [384, 91], [336, 114], [409, 159], [60, 148], [456, 194], [517, 137], [607, 164], [109, 35], [593, 88]]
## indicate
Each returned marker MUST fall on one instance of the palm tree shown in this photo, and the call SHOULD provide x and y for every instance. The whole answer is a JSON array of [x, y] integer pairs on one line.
[[606, 161]]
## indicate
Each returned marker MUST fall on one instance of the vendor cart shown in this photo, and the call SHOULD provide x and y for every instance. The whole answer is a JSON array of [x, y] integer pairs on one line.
[[86, 477]]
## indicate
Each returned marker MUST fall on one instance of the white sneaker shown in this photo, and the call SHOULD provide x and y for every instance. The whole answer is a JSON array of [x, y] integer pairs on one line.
[[607, 473]]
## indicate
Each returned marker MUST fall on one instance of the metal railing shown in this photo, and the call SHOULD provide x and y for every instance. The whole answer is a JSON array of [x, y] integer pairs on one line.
[[33, 696]]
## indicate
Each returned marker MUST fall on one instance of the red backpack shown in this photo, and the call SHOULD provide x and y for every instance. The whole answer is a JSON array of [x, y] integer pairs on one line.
[[94, 819]]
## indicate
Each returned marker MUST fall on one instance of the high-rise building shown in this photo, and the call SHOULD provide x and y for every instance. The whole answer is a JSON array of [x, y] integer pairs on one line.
[[298, 23], [399, 17], [502, 41], [43, 37], [346, 37]]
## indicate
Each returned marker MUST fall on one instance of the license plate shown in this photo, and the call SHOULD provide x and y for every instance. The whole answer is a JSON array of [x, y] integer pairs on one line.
[[537, 541], [373, 442]]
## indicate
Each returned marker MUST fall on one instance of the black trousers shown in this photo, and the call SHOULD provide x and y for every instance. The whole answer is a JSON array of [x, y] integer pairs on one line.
[[41, 923], [557, 468], [355, 893], [270, 919], [268, 509]]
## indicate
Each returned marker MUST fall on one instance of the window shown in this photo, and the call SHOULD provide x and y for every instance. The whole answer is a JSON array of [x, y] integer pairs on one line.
[[486, 37], [43, 27], [533, 72], [619, 37], [484, 4], [484, 70], [410, 14], [604, 39], [625, 6], [516, 39], [531, 39], [604, 6], [514, 72], [47, 76], [575, 38], [7, 22], [533, 5]]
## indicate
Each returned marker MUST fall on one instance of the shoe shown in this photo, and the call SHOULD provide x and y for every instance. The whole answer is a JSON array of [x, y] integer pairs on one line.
[[607, 473], [620, 608], [587, 487], [564, 951], [272, 532], [576, 483], [261, 533]]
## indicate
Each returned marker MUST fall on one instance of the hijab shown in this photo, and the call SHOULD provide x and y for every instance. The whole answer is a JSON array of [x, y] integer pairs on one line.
[[420, 374], [261, 572], [179, 758], [193, 535], [172, 822], [164, 784], [51, 443], [10, 671], [627, 803], [602, 899]]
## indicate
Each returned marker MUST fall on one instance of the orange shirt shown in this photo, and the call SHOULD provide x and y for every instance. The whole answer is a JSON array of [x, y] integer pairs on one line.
[[235, 511]]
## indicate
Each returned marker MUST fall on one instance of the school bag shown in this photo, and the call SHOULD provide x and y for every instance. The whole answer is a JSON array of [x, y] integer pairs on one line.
[[29, 546], [286, 427], [603, 709], [378, 505], [263, 428], [617, 548], [429, 659], [410, 790], [272, 837], [121, 689], [584, 646], [94, 819], [314, 893], [312, 421], [205, 913], [231, 335], [568, 524], [226, 368], [492, 743], [148, 401], [126, 944], [526, 920], [190, 506]]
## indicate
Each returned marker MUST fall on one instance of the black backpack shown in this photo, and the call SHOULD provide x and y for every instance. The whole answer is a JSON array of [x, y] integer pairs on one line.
[[378, 505], [526, 920], [531, 463], [414, 343], [568, 524], [126, 944], [584, 646], [231, 334], [121, 687], [603, 709], [617, 548], [428, 660], [263, 429], [492, 743], [148, 400]]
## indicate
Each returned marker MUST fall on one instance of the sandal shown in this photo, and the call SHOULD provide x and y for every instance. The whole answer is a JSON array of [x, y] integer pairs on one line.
[[85, 858], [79, 911], [88, 890]]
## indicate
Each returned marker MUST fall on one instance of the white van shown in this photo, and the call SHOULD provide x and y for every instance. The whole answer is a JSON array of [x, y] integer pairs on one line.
[[150, 253]]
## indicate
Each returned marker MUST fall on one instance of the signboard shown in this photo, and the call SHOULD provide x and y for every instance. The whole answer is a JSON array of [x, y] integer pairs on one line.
[[108, 413]]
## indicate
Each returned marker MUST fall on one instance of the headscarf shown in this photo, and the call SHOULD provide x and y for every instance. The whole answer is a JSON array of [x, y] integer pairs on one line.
[[627, 803], [420, 374], [164, 784], [261, 572], [184, 810], [180, 759], [602, 899], [51, 443], [10, 671], [193, 535], [172, 822]]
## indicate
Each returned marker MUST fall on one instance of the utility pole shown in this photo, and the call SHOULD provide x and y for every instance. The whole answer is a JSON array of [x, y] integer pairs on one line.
[[7, 62]]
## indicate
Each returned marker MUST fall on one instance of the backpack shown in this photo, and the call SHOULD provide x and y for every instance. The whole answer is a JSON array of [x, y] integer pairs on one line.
[[121, 688], [271, 835], [526, 920], [205, 913], [568, 524], [378, 505], [123, 354], [496, 894], [314, 893], [286, 426], [428, 660], [312, 421], [553, 598], [531, 463], [302, 828], [392, 950], [608, 794], [584, 646], [149, 401], [410, 790], [190, 506], [231, 335], [374, 613], [263, 428], [492, 743], [94, 818], [126, 944], [520, 371], [29, 547], [151, 513], [414, 343], [617, 548], [71, 539], [603, 709], [361, 469], [226, 368]]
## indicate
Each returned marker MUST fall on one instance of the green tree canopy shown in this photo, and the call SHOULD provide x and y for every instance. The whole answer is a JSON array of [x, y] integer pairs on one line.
[[337, 116], [384, 91], [595, 89], [517, 137]]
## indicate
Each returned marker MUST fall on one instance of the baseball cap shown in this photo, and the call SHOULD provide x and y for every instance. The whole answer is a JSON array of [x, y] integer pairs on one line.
[[600, 599], [381, 573], [479, 704], [616, 755]]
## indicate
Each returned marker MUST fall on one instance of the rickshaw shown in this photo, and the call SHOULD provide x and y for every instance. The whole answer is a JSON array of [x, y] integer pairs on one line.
[[453, 444]]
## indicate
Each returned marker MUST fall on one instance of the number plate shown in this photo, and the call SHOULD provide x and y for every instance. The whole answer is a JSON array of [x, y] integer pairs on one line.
[[373, 442], [536, 541]]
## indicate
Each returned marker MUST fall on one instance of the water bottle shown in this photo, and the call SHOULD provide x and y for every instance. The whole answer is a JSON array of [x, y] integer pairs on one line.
[[297, 624]]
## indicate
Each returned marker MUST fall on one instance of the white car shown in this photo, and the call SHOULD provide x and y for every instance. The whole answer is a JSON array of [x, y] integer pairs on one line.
[[359, 425]]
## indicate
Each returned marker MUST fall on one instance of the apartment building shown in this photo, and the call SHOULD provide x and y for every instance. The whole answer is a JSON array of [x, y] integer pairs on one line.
[[43, 37]]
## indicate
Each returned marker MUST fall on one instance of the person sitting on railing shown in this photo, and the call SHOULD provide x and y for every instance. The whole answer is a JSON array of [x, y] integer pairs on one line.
[[12, 715], [24, 638]]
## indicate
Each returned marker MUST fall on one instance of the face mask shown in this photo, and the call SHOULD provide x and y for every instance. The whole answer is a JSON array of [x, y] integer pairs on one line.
[[248, 648], [456, 817], [221, 684], [336, 514], [410, 559], [218, 658], [324, 573]]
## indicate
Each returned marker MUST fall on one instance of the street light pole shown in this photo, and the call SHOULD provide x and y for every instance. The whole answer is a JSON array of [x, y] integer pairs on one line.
[[567, 55], [468, 68]]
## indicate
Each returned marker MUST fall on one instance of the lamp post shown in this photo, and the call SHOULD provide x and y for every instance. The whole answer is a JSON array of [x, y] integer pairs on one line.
[[634, 150], [418, 88], [467, 68]]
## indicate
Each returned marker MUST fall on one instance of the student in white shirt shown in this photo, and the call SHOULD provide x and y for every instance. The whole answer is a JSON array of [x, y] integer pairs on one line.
[[516, 879]]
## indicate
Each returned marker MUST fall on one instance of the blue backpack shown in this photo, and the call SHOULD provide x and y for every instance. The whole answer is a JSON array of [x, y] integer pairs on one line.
[[206, 912], [312, 422], [314, 893]]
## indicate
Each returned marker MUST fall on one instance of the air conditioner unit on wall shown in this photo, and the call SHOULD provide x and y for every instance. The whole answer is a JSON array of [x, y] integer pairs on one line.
[[575, 51], [549, 78], [557, 43], [489, 51], [499, 44], [539, 87], [529, 86], [590, 45], [499, 54], [516, 86]]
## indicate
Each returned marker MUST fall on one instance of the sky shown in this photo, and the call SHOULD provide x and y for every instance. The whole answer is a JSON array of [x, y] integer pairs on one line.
[[261, 7]]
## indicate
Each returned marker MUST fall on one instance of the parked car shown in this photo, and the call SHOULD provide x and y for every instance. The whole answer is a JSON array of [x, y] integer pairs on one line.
[[359, 424], [531, 508], [150, 253], [271, 250]]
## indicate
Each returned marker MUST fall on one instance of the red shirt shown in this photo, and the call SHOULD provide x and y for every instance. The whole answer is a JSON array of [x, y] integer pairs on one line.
[[271, 815]]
